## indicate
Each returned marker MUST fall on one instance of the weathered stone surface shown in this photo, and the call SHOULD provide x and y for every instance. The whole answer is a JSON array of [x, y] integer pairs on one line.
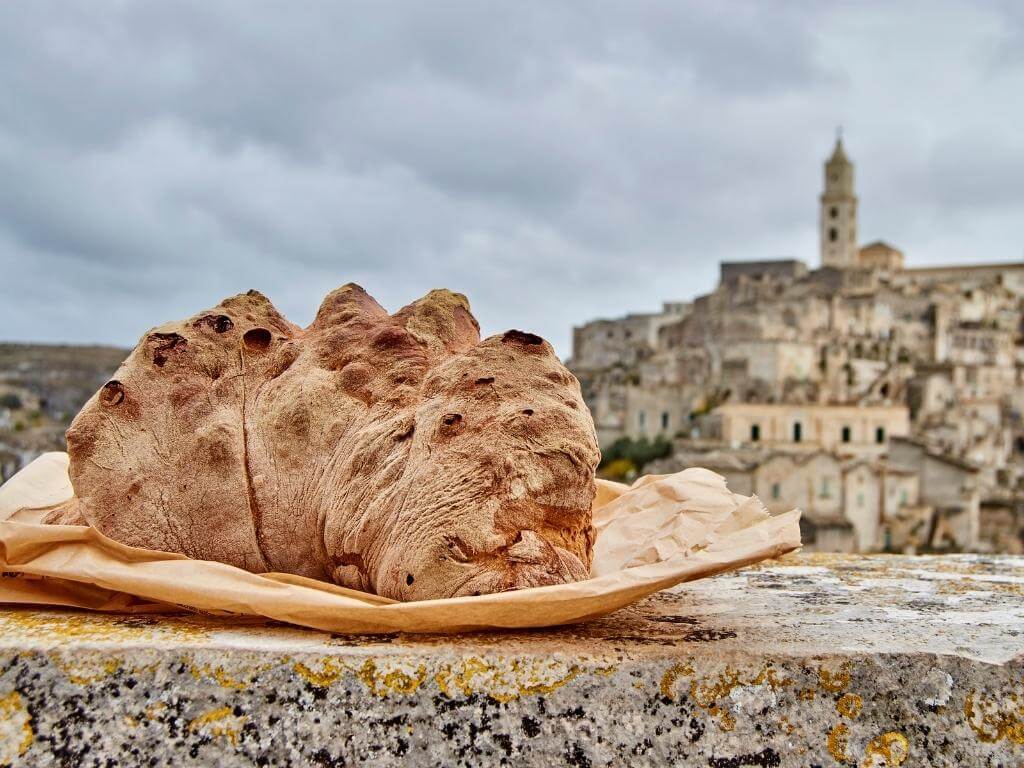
[[814, 661]]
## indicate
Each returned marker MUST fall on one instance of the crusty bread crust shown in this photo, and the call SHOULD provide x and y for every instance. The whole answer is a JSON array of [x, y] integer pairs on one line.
[[396, 454]]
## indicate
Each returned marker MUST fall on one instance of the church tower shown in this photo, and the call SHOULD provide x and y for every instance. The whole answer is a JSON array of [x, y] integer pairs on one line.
[[838, 217]]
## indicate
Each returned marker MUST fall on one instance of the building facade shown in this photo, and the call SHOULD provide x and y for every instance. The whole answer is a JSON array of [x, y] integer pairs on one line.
[[845, 359]]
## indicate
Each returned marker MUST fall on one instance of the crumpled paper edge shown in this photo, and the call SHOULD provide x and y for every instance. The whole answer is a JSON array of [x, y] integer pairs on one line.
[[76, 566]]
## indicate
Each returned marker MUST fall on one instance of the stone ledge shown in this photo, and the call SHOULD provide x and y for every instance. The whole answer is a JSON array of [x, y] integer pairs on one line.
[[814, 660]]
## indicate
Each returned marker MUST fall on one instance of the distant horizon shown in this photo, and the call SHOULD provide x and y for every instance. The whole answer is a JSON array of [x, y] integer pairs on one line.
[[564, 355]]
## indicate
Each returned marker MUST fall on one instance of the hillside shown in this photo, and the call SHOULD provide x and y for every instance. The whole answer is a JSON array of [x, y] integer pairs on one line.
[[42, 387]]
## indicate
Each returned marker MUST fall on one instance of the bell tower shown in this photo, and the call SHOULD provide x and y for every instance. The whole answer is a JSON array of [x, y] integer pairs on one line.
[[838, 214]]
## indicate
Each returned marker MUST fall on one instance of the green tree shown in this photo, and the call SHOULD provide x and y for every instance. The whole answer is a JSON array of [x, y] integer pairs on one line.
[[636, 452], [10, 401]]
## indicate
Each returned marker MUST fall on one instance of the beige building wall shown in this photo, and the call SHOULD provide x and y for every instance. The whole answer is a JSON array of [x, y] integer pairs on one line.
[[862, 503], [900, 489], [776, 361], [811, 483], [945, 484], [655, 411], [848, 430]]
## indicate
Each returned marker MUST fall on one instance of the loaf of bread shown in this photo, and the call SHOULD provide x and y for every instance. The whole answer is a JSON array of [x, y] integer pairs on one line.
[[394, 454]]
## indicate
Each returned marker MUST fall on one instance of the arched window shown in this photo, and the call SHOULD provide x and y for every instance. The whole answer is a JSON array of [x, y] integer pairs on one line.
[[833, 235], [833, 212], [798, 431]]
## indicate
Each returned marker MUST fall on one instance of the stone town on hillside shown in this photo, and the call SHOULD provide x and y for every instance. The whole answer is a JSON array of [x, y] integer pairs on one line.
[[883, 401]]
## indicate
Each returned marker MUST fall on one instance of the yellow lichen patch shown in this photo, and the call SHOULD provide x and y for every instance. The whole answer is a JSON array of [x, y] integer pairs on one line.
[[850, 705], [892, 748], [218, 722], [56, 627], [725, 718], [330, 670], [84, 669], [707, 694], [785, 726], [993, 720], [836, 742], [16, 733], [834, 682], [383, 683], [768, 676], [672, 674], [505, 682], [225, 680], [806, 694], [968, 584], [144, 669]]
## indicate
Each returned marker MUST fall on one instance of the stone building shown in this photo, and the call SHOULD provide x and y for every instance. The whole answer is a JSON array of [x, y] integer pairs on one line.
[[845, 359], [948, 485], [848, 430]]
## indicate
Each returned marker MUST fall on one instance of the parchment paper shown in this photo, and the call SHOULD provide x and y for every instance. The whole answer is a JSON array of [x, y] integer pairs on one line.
[[661, 531]]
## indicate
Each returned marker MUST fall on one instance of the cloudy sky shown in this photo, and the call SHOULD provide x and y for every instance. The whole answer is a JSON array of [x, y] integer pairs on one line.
[[554, 161]]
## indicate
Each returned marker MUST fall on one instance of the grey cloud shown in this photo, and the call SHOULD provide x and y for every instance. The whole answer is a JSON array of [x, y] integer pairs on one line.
[[553, 161]]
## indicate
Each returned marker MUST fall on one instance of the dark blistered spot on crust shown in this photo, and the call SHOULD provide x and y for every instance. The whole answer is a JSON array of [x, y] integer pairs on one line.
[[257, 339], [216, 323], [451, 424], [112, 393], [164, 344], [521, 337]]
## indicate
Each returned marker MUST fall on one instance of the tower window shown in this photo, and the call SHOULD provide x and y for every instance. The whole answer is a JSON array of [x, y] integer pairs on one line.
[[798, 432], [846, 434], [833, 234], [755, 432], [880, 435], [833, 212], [664, 420]]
